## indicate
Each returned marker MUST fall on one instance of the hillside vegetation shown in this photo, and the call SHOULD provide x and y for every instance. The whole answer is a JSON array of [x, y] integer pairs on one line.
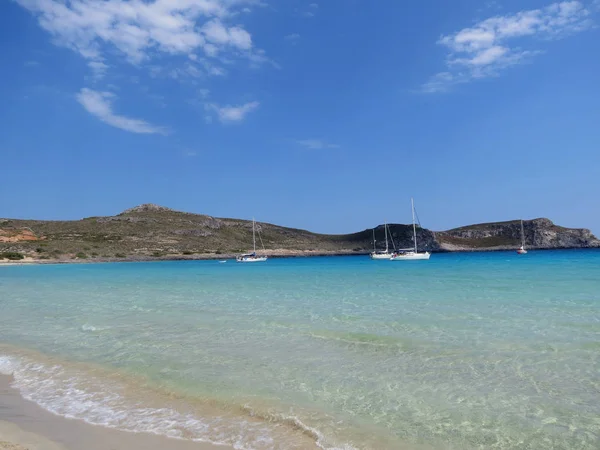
[[152, 232]]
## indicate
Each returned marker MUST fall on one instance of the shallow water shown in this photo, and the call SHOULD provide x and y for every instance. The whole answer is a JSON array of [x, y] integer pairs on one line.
[[464, 351]]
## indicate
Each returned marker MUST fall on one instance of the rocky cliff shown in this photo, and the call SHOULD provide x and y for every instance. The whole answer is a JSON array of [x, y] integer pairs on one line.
[[539, 234]]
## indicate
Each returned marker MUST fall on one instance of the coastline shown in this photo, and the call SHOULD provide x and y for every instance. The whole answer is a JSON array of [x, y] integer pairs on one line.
[[272, 254], [26, 426]]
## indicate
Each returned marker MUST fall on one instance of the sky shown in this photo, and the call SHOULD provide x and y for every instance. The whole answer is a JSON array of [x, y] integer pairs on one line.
[[323, 115]]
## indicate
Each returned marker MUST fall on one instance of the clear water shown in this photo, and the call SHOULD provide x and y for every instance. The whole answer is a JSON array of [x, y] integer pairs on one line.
[[465, 351]]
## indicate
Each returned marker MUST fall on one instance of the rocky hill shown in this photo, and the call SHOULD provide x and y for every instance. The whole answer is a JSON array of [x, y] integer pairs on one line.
[[151, 232], [539, 234]]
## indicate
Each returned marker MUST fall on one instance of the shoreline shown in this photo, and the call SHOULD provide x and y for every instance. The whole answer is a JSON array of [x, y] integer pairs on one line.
[[26, 426], [272, 254]]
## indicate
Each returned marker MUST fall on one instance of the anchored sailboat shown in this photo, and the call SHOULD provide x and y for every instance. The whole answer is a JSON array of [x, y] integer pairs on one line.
[[382, 255], [521, 250], [252, 257], [411, 254]]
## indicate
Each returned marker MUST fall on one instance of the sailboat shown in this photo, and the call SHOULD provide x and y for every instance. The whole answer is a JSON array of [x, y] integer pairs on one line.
[[381, 255], [521, 250], [411, 254], [252, 257]]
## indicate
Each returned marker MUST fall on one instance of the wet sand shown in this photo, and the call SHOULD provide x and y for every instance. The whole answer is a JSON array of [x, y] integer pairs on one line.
[[24, 425]]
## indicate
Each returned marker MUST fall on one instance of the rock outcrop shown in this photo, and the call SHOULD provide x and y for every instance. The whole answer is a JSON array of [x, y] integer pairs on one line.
[[146, 207], [17, 235], [539, 233]]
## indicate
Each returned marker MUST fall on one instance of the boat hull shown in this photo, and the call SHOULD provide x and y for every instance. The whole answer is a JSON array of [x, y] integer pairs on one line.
[[412, 256], [252, 260], [381, 256]]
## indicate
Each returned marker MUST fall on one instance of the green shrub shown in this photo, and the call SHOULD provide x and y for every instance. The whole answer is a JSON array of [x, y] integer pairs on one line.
[[94, 254], [81, 255], [119, 255], [40, 250], [218, 252], [157, 254], [187, 252], [13, 256]]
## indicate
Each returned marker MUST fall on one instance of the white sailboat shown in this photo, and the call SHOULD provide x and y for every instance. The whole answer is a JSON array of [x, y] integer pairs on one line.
[[252, 257], [521, 250], [411, 254], [381, 255]]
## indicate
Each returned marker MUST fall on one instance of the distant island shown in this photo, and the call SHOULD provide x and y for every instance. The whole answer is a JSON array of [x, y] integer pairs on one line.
[[151, 232]]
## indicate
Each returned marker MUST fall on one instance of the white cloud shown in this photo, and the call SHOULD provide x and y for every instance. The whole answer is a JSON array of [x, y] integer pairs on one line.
[[98, 68], [232, 113], [293, 38], [99, 104], [218, 34], [311, 12], [316, 144], [142, 30], [494, 44]]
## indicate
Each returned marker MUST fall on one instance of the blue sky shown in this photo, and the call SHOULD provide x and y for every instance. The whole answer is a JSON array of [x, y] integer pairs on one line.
[[325, 115]]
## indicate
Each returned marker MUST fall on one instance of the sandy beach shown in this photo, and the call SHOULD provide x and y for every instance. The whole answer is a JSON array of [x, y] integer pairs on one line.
[[24, 425]]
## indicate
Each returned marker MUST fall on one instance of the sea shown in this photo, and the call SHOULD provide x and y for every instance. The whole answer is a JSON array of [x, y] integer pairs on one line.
[[464, 351]]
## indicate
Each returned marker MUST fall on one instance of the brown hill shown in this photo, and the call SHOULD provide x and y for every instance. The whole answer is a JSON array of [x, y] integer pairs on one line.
[[151, 231]]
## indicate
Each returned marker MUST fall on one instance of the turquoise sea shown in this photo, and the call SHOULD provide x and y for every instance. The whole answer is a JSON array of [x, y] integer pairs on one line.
[[465, 351]]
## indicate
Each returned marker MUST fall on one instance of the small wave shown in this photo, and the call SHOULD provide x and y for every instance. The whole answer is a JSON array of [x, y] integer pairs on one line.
[[296, 423], [107, 400], [75, 395]]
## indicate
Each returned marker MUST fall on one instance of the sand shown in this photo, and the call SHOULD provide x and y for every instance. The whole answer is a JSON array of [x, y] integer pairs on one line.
[[26, 426]]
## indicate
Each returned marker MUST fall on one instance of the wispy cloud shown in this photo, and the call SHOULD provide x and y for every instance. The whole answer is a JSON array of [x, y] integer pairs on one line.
[[293, 38], [185, 40], [31, 63], [490, 4], [492, 45], [229, 113], [98, 68], [310, 12], [99, 104], [316, 144], [144, 30]]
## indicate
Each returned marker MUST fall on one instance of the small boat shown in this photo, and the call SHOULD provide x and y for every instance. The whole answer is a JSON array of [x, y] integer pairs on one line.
[[223, 261], [521, 250], [411, 254], [381, 255], [252, 257]]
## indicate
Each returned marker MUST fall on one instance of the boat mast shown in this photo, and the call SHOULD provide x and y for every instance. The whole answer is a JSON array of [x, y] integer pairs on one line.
[[374, 248], [412, 202], [253, 235], [386, 239], [522, 235]]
